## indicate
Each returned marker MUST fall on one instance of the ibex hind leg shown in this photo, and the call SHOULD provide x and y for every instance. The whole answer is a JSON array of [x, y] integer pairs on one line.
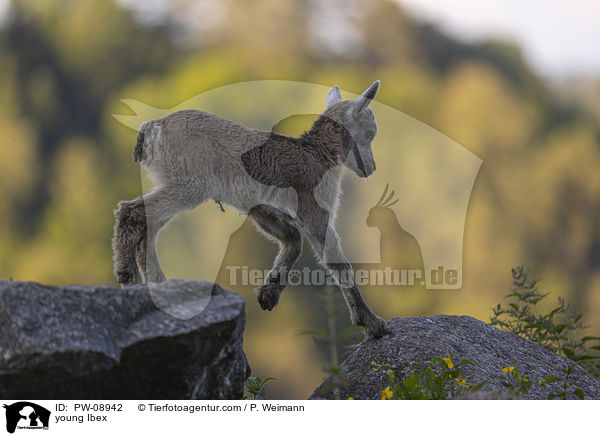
[[158, 208], [125, 239]]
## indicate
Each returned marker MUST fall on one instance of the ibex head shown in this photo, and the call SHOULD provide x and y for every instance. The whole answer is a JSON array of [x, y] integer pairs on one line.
[[358, 119]]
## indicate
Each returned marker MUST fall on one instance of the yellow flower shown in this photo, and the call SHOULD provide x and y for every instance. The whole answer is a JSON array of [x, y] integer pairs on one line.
[[350, 398], [373, 363], [462, 382], [508, 369], [448, 361], [386, 394]]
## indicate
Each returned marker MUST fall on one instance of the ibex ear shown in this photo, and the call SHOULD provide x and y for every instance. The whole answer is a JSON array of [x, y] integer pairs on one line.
[[333, 96], [365, 99]]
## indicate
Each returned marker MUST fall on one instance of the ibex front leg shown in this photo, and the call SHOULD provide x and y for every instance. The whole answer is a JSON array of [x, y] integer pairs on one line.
[[276, 224], [329, 250]]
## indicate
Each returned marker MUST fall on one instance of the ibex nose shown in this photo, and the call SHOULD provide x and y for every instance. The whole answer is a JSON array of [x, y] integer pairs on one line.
[[370, 169]]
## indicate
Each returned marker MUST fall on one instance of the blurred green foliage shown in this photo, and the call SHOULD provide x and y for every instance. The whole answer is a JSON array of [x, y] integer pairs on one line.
[[66, 161], [439, 379], [560, 330]]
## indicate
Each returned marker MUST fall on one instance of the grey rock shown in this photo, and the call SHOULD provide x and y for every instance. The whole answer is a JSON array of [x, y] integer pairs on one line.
[[414, 341], [486, 395], [101, 342]]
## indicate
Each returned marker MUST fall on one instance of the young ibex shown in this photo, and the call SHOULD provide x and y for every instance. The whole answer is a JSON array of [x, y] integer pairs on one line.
[[284, 184]]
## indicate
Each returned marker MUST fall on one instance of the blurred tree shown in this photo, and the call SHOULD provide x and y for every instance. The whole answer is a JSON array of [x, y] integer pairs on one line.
[[73, 240]]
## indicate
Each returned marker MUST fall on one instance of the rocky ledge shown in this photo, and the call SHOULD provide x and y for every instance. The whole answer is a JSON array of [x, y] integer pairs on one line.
[[103, 342], [412, 342]]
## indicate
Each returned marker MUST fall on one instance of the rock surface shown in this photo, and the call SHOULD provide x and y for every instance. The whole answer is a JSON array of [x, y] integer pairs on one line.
[[102, 342], [414, 341]]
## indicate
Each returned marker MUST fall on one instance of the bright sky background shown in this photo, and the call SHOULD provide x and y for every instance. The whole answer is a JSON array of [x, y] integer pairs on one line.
[[558, 37]]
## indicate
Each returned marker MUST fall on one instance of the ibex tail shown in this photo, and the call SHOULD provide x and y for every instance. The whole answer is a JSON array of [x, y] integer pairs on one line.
[[148, 137]]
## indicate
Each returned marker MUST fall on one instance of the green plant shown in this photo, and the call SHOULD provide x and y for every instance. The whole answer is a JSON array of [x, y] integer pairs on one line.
[[333, 341], [255, 388], [556, 330], [517, 384], [440, 380], [565, 384]]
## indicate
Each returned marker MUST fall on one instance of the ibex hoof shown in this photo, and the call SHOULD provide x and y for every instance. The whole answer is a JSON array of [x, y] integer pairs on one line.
[[127, 277], [375, 328], [268, 295]]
